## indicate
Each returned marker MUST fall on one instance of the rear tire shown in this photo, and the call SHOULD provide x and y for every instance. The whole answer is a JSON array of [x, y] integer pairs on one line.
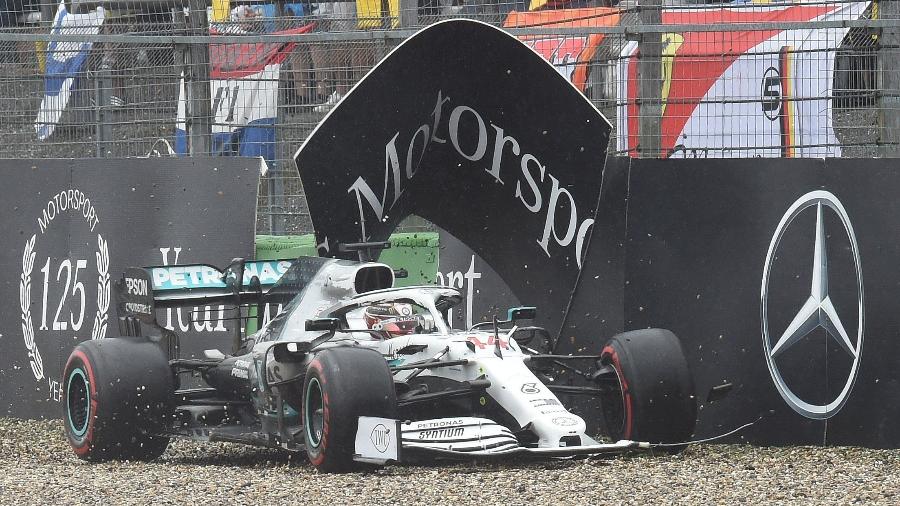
[[655, 400], [341, 385], [117, 397]]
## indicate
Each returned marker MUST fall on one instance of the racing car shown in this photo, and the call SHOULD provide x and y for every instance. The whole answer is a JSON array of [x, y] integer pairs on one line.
[[357, 372]]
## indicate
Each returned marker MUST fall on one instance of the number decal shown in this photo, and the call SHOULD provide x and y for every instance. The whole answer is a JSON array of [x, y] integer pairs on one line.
[[77, 286], [67, 264], [77, 290]]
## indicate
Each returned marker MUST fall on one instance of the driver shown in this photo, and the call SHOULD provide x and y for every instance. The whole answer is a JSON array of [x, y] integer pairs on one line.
[[397, 319]]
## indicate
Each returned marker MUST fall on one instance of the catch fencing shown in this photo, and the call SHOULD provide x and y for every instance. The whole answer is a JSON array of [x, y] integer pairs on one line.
[[675, 79]]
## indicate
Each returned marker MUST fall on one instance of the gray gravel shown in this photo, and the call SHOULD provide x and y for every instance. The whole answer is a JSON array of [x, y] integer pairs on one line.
[[37, 467]]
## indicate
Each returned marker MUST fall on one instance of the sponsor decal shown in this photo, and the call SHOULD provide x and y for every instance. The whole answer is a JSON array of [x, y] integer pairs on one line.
[[138, 308], [241, 369], [136, 286], [439, 423], [381, 438], [179, 277], [817, 311], [490, 342], [460, 125], [64, 287], [449, 432], [564, 421], [530, 388], [537, 403]]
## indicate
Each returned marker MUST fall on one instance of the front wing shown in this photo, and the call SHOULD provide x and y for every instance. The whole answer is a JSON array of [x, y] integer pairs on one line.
[[377, 441]]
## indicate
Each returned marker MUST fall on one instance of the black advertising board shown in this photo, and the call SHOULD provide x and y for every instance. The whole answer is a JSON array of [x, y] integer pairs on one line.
[[71, 227], [780, 277], [467, 127], [729, 254], [484, 292]]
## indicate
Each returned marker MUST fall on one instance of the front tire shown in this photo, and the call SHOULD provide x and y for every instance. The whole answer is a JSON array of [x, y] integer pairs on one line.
[[655, 400], [117, 396], [341, 385]]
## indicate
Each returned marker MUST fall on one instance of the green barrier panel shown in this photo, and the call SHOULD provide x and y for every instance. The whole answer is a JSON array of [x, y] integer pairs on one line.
[[417, 252], [271, 247]]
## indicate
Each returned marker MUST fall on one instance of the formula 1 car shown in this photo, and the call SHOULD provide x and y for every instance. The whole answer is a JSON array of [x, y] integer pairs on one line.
[[357, 372]]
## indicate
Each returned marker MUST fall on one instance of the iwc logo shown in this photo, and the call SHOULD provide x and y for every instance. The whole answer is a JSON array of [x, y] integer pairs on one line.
[[63, 288], [381, 438], [818, 310]]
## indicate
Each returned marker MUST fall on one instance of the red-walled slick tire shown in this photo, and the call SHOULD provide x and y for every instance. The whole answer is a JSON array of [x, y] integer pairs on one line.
[[655, 400], [341, 385], [117, 396]]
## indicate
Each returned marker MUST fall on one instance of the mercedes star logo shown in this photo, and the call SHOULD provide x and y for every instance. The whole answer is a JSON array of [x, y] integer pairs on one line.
[[817, 311]]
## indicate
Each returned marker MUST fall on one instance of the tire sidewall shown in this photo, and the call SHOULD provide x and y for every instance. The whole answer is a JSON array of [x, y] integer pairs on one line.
[[79, 361], [656, 385], [612, 355], [353, 382], [131, 391], [317, 453]]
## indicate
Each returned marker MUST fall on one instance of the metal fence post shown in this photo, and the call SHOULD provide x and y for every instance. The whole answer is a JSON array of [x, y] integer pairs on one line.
[[199, 119], [650, 76], [889, 108], [408, 13], [103, 132], [277, 209]]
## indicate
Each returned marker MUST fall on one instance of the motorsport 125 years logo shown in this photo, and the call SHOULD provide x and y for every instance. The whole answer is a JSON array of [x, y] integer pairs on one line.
[[56, 295]]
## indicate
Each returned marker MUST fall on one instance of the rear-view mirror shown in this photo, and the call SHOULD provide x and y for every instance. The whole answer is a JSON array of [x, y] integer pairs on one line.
[[525, 335], [323, 324], [521, 313]]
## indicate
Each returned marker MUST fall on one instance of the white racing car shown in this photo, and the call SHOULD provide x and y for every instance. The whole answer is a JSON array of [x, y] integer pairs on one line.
[[356, 372]]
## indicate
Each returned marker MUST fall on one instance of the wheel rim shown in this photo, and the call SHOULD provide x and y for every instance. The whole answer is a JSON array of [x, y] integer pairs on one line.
[[612, 402], [314, 413], [78, 402]]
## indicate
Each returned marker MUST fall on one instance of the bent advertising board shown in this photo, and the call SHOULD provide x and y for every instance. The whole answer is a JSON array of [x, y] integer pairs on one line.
[[461, 125], [71, 227]]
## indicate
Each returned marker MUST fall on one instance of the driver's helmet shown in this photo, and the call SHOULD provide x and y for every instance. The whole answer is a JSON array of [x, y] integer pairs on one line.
[[397, 319]]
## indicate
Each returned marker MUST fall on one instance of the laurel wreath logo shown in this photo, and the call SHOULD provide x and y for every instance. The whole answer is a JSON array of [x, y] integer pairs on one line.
[[101, 318], [37, 363]]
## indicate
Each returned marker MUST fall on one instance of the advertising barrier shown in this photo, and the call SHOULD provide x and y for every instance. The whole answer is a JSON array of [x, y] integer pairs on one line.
[[71, 227], [780, 278]]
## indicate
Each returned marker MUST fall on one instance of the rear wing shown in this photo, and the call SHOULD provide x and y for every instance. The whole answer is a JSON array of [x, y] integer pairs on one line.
[[142, 290], [163, 286]]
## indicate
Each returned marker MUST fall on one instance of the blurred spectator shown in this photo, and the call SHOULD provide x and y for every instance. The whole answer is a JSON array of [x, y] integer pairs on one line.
[[332, 59], [300, 70], [302, 76], [245, 19], [371, 15], [13, 12]]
